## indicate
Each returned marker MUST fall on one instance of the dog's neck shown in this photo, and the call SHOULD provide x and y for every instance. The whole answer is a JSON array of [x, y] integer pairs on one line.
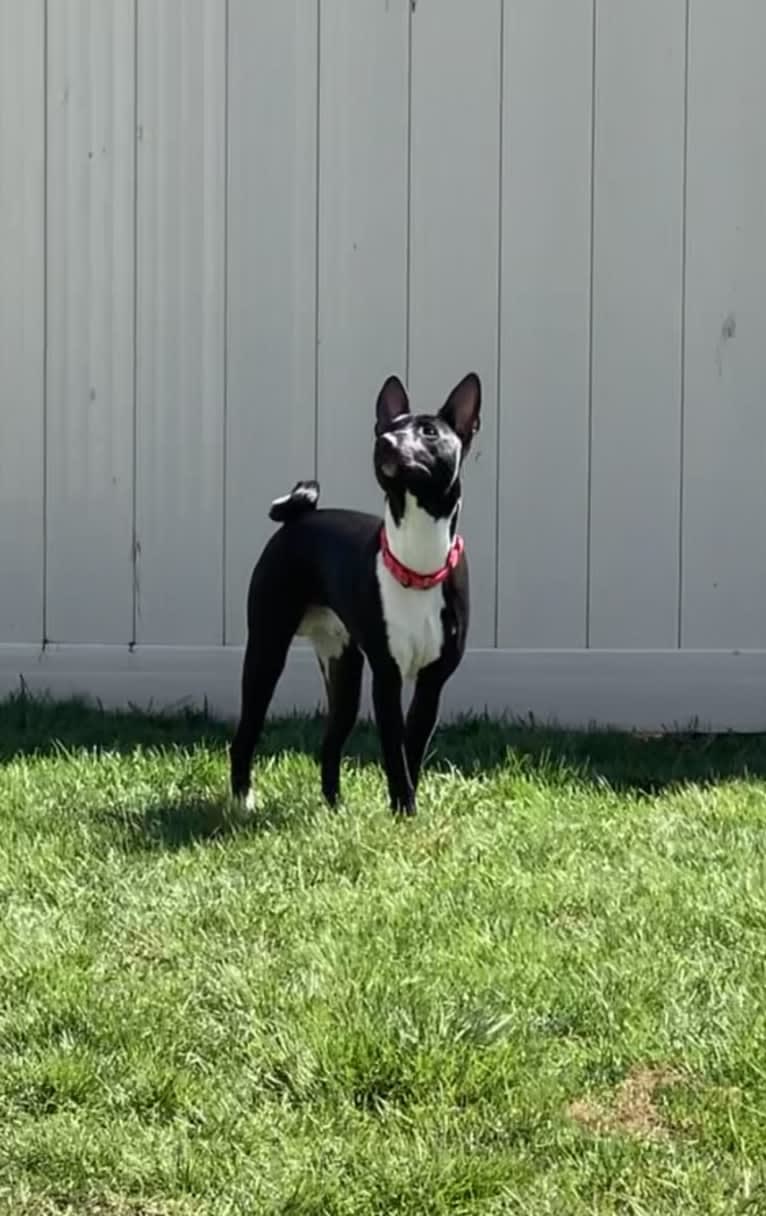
[[418, 541]]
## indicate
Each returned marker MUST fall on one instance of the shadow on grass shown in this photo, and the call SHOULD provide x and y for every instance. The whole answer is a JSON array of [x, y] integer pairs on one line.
[[643, 763], [176, 825]]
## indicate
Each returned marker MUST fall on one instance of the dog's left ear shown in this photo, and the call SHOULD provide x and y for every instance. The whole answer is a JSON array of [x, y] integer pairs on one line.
[[461, 409], [392, 403]]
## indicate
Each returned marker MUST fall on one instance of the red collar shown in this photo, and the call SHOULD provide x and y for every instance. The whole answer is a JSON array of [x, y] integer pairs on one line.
[[411, 578]]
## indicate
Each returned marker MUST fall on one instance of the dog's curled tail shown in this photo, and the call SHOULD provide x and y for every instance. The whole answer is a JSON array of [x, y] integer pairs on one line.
[[303, 497]]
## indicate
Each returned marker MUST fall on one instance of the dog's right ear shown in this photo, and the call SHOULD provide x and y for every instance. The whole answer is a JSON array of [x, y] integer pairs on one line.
[[392, 403]]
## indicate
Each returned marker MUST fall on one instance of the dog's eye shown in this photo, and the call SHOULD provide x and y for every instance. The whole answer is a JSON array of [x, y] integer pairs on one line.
[[428, 429]]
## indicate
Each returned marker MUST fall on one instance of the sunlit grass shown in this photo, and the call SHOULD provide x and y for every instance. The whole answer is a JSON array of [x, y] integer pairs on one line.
[[546, 994]]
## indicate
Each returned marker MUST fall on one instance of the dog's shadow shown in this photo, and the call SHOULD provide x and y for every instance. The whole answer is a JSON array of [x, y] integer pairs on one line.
[[179, 823]]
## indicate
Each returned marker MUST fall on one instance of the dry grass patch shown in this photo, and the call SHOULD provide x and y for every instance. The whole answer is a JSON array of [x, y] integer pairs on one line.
[[633, 1110]]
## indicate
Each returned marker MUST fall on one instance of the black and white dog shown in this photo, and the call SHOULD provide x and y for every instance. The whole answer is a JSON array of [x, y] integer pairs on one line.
[[393, 590]]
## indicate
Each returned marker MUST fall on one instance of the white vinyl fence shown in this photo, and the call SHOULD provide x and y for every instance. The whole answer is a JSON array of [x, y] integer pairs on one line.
[[224, 222]]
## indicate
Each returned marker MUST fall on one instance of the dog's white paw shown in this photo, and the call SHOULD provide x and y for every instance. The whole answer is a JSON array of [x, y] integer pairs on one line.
[[244, 804]]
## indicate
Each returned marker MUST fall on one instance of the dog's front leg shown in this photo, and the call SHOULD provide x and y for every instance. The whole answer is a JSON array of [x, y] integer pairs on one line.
[[422, 717], [387, 701]]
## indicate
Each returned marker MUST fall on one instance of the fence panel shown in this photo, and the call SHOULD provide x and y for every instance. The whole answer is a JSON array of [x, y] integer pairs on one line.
[[637, 323], [22, 310], [724, 493], [271, 307], [90, 314], [545, 327], [180, 338]]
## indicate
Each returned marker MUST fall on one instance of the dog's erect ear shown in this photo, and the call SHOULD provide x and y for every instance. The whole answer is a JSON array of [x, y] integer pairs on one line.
[[461, 409], [392, 403]]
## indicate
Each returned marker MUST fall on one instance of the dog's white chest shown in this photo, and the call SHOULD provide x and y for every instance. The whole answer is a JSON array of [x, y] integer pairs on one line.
[[413, 621]]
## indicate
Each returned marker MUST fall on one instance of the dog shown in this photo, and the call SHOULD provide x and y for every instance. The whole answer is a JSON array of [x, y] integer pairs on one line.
[[393, 590]]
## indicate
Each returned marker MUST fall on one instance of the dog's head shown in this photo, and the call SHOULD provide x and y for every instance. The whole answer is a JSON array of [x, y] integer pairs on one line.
[[423, 453]]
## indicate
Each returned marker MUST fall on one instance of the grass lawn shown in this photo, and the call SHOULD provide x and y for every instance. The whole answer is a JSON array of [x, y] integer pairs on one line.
[[546, 994]]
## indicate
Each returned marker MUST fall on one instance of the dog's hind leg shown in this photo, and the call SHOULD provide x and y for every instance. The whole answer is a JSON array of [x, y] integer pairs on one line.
[[265, 654], [343, 681], [261, 670]]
